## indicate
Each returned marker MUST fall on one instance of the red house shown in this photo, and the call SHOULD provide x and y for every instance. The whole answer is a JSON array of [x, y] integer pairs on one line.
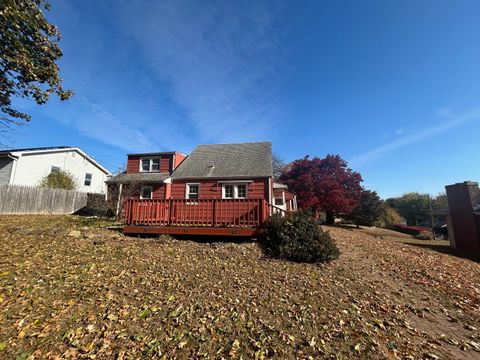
[[222, 189]]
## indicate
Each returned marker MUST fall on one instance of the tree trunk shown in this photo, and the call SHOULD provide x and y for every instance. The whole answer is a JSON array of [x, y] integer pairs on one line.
[[330, 220]]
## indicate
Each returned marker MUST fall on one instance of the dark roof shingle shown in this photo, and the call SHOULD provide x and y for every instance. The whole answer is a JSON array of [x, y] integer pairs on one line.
[[227, 161], [138, 177]]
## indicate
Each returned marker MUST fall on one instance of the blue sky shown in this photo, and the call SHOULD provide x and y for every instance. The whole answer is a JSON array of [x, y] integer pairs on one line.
[[391, 86]]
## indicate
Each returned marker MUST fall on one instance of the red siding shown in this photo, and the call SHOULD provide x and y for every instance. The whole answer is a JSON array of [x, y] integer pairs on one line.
[[166, 164], [179, 157], [168, 191], [166, 161], [211, 189], [158, 191], [133, 164]]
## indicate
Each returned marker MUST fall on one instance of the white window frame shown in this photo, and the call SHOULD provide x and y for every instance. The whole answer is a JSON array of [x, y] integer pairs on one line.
[[235, 190], [151, 192], [89, 179], [159, 164], [187, 190], [150, 164]]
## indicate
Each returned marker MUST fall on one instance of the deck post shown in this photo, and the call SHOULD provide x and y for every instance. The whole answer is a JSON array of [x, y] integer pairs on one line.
[[213, 212], [262, 212], [169, 218]]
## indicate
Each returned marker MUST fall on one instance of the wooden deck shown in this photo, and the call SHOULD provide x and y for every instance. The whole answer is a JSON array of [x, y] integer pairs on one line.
[[225, 217]]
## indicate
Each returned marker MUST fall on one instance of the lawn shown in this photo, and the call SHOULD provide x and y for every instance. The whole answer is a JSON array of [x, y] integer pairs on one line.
[[97, 294]]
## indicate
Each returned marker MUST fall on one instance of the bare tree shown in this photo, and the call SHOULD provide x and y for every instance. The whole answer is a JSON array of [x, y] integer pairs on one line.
[[278, 166]]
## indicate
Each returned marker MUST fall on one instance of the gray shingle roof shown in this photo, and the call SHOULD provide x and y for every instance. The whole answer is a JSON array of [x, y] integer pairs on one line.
[[227, 161], [138, 177]]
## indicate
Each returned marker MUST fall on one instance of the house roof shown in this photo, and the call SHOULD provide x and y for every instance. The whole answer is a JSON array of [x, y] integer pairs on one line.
[[36, 149], [16, 153], [156, 153], [138, 177], [227, 161], [277, 185]]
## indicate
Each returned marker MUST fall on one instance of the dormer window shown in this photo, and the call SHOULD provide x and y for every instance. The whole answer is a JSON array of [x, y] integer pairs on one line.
[[149, 164], [155, 164]]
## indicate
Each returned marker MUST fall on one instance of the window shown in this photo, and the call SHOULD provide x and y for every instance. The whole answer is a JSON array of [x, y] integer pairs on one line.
[[228, 192], [88, 179], [149, 164], [193, 191], [146, 192], [156, 164], [145, 164], [234, 191], [241, 191], [279, 201], [54, 169]]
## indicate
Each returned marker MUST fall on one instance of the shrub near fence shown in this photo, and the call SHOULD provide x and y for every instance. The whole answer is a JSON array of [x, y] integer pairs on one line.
[[17, 199]]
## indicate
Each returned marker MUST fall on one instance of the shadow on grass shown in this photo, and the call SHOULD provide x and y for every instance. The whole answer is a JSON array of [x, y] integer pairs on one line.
[[203, 239], [445, 249]]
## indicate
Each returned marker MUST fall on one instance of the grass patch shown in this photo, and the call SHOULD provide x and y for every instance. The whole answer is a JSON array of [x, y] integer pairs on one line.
[[121, 297]]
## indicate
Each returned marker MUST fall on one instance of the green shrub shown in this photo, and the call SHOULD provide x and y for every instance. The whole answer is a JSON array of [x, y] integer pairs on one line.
[[298, 238], [59, 180]]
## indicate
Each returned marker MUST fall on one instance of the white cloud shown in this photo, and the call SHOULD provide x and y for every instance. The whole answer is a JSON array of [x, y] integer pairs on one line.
[[453, 121], [218, 58], [97, 123]]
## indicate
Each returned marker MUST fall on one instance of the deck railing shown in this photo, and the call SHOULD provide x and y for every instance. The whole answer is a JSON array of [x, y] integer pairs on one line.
[[199, 212]]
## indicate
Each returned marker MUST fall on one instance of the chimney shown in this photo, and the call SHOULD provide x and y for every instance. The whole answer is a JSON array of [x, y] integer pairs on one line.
[[462, 201]]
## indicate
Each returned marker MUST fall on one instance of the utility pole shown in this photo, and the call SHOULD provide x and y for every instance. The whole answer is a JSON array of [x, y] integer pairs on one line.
[[431, 216]]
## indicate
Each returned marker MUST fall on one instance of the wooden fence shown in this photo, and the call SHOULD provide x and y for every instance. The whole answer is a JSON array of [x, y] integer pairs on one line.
[[17, 199]]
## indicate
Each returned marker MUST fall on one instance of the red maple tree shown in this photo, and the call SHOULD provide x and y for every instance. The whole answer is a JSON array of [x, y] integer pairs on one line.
[[324, 185]]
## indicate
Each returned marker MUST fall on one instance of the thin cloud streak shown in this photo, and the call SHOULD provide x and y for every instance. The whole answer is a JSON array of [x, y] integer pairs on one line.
[[453, 122], [96, 122], [221, 75]]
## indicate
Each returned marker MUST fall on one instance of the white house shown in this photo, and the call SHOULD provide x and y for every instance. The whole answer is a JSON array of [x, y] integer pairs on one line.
[[29, 166]]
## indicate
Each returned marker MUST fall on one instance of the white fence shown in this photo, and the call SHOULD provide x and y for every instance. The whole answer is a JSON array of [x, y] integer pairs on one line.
[[16, 199]]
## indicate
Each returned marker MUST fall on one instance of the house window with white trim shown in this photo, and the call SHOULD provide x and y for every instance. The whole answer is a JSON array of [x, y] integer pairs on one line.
[[145, 165], [193, 191], [234, 191], [88, 179], [155, 166], [149, 164], [228, 191], [146, 192], [241, 191]]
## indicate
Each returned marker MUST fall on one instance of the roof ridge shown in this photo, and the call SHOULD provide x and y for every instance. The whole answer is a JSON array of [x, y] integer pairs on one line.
[[240, 143], [39, 148]]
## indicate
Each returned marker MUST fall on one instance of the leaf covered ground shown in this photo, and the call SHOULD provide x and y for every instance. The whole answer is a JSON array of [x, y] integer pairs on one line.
[[70, 288]]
